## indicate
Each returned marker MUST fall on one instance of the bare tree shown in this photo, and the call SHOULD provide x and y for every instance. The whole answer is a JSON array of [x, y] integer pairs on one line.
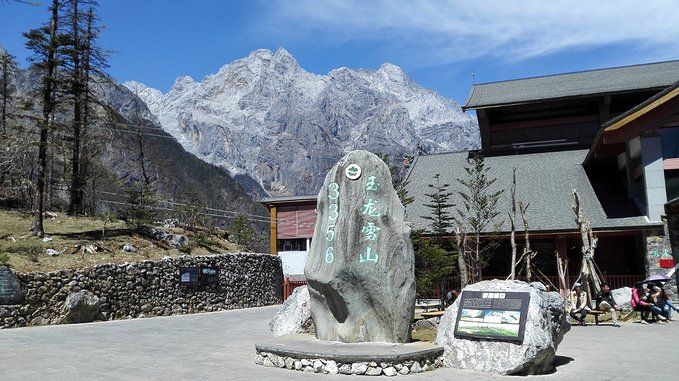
[[512, 218], [528, 254], [589, 273], [462, 254], [561, 264]]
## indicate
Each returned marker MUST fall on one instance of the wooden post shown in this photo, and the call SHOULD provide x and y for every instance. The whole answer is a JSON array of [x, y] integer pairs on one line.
[[286, 288], [512, 236], [562, 251], [273, 230]]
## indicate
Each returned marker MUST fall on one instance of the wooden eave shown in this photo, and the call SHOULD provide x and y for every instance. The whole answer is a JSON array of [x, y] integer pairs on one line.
[[554, 99], [647, 116]]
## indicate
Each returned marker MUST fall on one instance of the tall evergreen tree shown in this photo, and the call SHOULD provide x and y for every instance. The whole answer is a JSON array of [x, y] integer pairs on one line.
[[242, 233], [143, 210], [46, 44], [84, 58], [476, 216], [7, 72], [439, 204]]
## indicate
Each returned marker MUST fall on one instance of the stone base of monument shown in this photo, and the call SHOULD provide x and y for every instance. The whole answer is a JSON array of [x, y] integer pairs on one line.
[[307, 353]]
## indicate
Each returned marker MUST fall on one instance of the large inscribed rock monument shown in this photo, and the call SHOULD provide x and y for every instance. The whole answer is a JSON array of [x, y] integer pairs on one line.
[[361, 268]]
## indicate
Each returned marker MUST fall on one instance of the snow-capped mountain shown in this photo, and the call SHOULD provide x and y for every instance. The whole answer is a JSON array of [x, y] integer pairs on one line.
[[277, 128]]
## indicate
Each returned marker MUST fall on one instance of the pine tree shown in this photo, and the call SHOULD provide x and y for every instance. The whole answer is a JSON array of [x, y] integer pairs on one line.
[[432, 263], [241, 233], [477, 214], [191, 214], [84, 59], [46, 44], [142, 212], [440, 217], [7, 72]]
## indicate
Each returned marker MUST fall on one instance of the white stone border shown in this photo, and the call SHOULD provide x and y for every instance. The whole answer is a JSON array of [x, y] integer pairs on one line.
[[370, 368]]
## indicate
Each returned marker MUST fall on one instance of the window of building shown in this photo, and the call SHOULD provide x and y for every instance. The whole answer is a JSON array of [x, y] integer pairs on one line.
[[298, 244], [670, 142]]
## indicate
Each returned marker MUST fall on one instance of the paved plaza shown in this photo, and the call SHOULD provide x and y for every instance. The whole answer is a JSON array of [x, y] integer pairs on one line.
[[220, 346]]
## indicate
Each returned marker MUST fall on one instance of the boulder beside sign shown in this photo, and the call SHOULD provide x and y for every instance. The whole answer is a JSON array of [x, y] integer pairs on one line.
[[11, 291], [545, 326], [492, 315], [361, 268]]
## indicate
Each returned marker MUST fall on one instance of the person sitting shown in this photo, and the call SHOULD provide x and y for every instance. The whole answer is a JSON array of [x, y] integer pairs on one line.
[[606, 303], [639, 302], [668, 302], [577, 302], [451, 296], [661, 300]]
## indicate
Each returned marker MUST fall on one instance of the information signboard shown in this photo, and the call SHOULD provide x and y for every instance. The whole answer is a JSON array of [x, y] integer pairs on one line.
[[188, 276], [195, 276], [209, 275], [11, 291], [492, 315]]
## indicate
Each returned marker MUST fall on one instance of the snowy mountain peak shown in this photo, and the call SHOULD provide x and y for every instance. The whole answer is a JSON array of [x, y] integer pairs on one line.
[[278, 128], [152, 97], [182, 82], [392, 72]]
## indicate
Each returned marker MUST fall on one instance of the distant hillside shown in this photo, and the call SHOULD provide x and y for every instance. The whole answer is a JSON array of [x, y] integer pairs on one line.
[[173, 171]]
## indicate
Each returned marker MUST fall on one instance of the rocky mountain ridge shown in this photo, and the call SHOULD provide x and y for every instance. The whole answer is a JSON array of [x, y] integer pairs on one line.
[[277, 128]]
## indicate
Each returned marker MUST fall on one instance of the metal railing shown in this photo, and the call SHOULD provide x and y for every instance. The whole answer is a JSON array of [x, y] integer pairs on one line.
[[453, 283]]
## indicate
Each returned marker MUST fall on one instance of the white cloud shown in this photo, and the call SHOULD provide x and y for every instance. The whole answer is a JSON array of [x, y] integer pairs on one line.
[[448, 31]]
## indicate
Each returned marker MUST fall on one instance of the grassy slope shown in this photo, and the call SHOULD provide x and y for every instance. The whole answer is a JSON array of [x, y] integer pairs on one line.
[[27, 253]]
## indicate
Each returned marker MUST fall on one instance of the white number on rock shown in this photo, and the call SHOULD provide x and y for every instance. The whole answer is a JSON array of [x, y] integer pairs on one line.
[[333, 212], [329, 255], [330, 233], [333, 191]]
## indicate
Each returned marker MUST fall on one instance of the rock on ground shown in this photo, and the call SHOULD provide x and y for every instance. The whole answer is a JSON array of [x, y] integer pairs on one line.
[[546, 325], [294, 316], [361, 266], [431, 323], [81, 307], [623, 296]]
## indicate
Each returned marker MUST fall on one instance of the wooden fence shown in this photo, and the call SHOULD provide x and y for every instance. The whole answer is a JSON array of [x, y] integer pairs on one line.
[[290, 285]]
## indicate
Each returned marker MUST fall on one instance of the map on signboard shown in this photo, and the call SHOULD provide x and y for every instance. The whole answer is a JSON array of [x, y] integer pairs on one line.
[[188, 275], [492, 315]]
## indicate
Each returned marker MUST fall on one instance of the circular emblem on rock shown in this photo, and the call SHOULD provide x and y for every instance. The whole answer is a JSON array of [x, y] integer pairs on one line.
[[353, 171]]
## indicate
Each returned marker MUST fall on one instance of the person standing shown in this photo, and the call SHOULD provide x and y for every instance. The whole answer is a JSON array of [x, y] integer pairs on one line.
[[606, 303], [577, 302]]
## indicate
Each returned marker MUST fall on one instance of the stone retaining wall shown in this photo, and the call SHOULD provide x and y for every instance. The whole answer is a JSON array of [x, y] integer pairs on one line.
[[149, 288], [372, 368]]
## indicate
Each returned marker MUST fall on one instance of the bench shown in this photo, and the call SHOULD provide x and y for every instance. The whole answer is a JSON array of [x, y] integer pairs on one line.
[[596, 314], [427, 315]]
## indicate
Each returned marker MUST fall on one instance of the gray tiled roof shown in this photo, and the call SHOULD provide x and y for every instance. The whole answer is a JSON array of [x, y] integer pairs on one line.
[[280, 199], [545, 180], [636, 77]]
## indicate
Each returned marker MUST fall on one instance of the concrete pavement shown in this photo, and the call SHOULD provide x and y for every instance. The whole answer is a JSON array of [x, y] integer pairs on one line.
[[220, 346]]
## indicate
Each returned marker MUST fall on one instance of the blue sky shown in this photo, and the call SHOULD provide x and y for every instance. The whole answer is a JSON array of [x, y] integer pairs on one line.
[[438, 43]]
